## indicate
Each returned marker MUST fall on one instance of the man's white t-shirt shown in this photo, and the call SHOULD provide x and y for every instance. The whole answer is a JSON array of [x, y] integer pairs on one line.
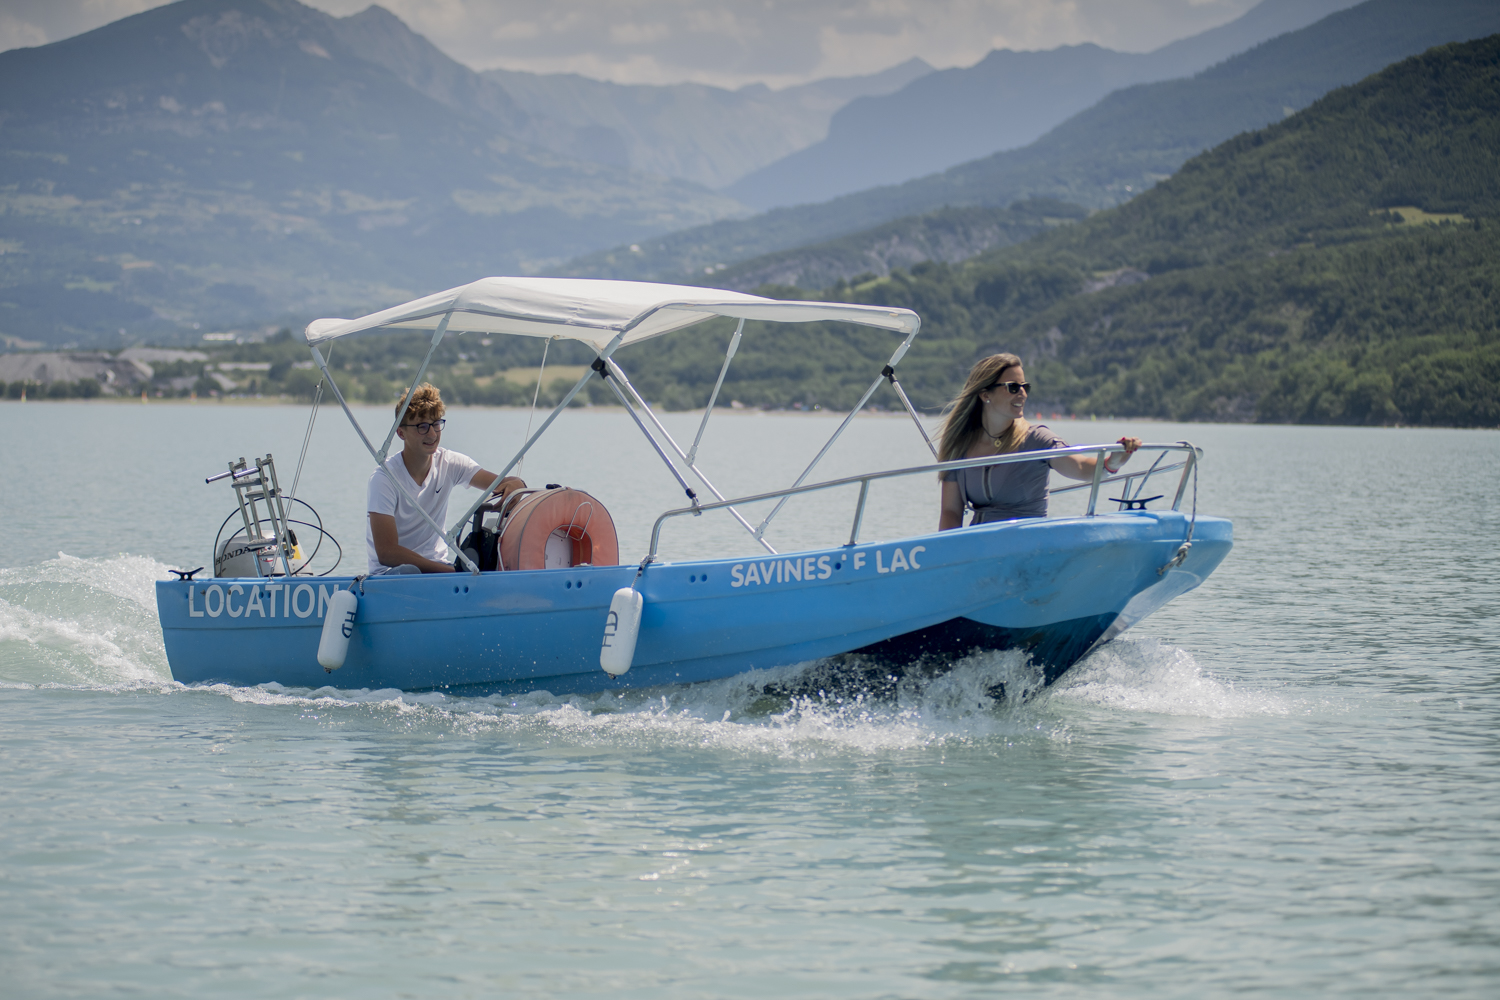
[[450, 469]]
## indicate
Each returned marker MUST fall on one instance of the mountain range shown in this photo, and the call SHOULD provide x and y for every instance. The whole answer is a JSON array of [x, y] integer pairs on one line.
[[1008, 100], [237, 162], [1129, 141]]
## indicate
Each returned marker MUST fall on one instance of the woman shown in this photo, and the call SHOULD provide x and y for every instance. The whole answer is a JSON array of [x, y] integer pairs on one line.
[[987, 419]]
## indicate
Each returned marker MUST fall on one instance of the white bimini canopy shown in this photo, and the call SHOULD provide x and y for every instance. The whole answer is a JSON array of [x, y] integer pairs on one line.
[[596, 311]]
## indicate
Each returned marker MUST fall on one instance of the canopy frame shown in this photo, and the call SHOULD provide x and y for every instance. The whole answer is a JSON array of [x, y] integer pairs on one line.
[[701, 304], [619, 373]]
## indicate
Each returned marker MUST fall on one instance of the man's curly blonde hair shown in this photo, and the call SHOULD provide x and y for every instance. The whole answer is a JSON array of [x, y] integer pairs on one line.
[[426, 405]]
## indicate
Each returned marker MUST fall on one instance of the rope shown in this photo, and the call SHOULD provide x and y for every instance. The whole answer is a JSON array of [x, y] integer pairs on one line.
[[545, 345], [1187, 543], [307, 438]]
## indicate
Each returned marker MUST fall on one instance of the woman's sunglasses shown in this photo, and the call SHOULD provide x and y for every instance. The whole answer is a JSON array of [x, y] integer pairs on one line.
[[1011, 387]]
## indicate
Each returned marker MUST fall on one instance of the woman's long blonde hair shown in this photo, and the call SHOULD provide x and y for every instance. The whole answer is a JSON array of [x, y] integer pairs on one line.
[[965, 418]]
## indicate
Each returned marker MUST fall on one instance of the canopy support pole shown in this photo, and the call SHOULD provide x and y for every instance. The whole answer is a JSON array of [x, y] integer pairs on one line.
[[890, 366], [604, 373], [437, 338], [619, 374], [379, 458], [734, 345], [890, 376]]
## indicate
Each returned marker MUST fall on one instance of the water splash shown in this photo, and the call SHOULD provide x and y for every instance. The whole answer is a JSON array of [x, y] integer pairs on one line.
[[74, 621], [751, 713], [128, 577], [1148, 675]]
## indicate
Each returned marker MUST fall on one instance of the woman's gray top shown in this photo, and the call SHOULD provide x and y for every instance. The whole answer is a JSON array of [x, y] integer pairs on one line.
[[1004, 492]]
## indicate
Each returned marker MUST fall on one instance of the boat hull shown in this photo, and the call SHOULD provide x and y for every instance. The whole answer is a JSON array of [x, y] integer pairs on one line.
[[1054, 587]]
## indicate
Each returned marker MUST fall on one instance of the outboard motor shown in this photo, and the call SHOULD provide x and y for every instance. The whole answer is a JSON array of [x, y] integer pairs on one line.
[[238, 555], [265, 545], [242, 556]]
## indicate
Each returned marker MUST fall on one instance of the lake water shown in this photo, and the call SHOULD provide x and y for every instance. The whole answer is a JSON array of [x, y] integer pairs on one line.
[[1286, 784]]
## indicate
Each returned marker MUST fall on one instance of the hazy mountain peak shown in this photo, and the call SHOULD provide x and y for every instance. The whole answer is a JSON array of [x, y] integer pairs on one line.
[[886, 81], [692, 130], [377, 24], [223, 34], [382, 38], [378, 14]]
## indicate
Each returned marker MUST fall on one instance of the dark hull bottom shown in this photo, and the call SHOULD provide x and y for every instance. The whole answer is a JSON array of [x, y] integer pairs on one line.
[[878, 668], [1054, 647]]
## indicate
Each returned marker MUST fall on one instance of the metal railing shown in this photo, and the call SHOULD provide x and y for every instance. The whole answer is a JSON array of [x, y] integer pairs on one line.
[[1100, 479]]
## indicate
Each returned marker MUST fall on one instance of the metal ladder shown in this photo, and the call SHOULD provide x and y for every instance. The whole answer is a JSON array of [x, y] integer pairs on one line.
[[254, 487]]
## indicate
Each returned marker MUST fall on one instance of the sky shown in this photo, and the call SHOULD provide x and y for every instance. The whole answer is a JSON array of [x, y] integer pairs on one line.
[[721, 42]]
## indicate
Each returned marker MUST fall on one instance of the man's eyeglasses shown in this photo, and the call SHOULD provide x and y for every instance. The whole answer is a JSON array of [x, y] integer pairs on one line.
[[427, 425], [1012, 387]]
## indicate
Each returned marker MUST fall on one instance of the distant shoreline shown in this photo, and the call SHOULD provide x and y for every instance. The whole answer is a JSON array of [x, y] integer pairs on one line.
[[283, 401], [930, 419]]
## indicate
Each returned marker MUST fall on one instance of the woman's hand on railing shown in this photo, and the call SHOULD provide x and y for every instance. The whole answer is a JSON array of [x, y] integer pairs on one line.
[[1130, 444]]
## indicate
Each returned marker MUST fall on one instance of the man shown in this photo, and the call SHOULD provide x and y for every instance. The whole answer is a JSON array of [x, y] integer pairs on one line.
[[398, 538]]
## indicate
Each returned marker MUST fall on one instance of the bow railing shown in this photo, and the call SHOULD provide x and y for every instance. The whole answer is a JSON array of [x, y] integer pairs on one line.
[[1126, 500]]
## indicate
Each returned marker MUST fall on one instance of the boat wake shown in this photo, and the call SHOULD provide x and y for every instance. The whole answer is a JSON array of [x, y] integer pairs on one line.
[[90, 624], [752, 712]]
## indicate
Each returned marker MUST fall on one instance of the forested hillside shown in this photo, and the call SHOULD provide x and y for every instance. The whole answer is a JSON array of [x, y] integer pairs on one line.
[[1342, 266], [948, 235]]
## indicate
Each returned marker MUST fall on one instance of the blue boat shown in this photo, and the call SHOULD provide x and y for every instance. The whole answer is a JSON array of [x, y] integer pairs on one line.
[[1053, 587]]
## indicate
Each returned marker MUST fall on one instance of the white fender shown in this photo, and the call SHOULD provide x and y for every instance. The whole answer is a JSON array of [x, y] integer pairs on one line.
[[621, 627], [338, 626]]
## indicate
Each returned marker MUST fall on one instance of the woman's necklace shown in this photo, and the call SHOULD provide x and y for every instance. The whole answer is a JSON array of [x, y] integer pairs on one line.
[[995, 439]]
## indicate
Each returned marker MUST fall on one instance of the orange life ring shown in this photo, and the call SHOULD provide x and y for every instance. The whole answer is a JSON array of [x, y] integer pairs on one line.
[[556, 528]]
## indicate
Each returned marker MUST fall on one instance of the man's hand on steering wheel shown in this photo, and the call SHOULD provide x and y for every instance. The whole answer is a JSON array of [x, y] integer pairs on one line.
[[509, 485]]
